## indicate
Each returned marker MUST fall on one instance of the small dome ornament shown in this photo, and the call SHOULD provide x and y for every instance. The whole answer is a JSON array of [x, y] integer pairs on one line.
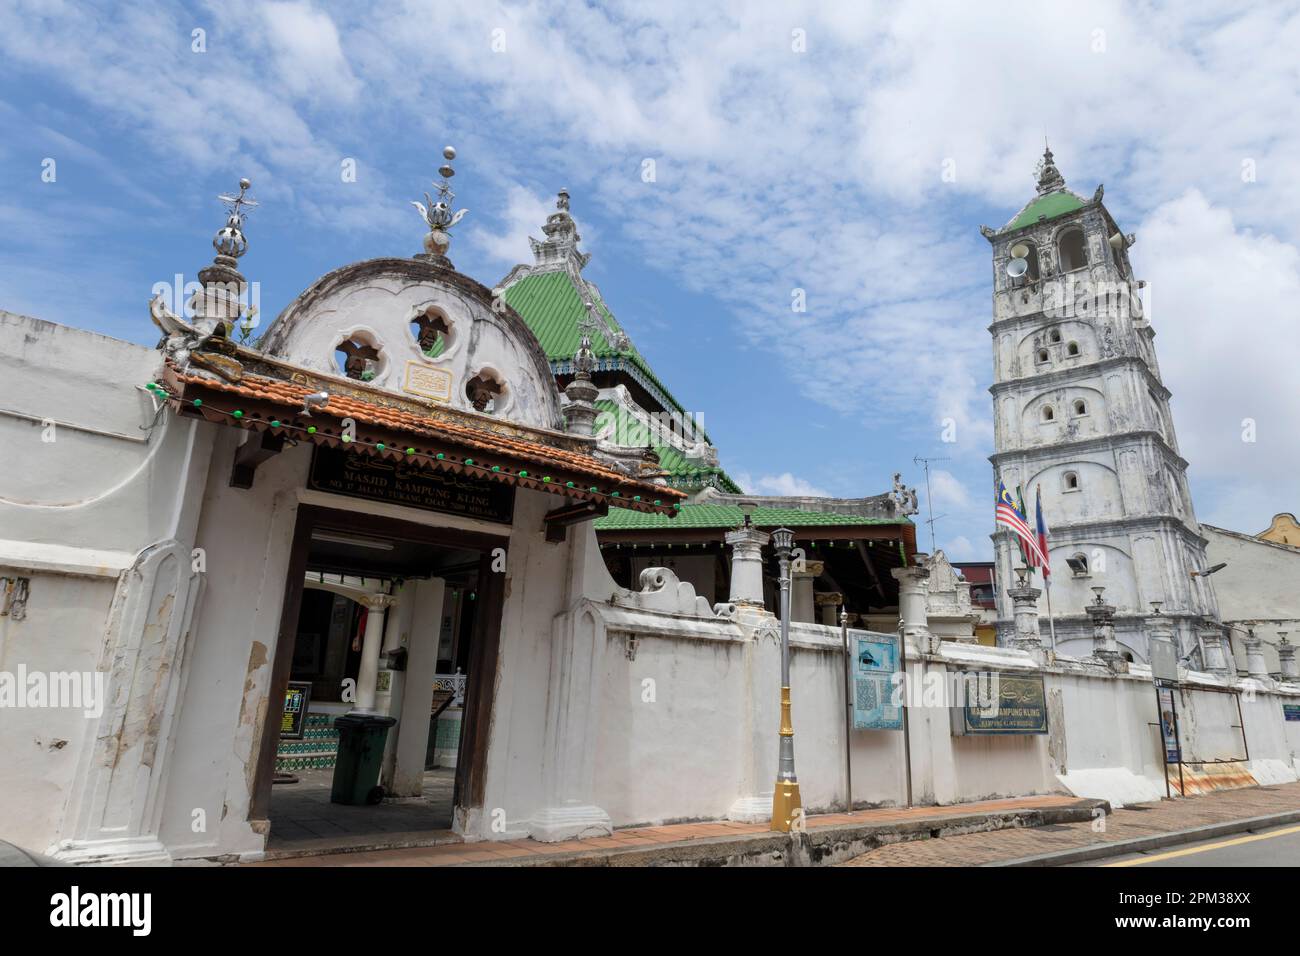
[[229, 240], [437, 214]]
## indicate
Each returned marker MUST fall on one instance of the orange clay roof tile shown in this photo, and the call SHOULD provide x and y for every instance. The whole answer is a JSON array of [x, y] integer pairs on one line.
[[290, 394]]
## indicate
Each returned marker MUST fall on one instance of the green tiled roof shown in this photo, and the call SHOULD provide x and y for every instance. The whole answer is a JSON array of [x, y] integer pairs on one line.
[[630, 432], [550, 304], [730, 516], [1048, 207]]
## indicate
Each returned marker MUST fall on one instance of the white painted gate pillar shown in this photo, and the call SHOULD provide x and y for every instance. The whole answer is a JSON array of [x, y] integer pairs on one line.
[[802, 598], [1255, 664], [413, 728], [115, 808], [1286, 658], [747, 565]]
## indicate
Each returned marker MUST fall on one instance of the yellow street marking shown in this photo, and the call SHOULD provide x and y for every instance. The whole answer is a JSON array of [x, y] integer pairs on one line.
[[1209, 846]]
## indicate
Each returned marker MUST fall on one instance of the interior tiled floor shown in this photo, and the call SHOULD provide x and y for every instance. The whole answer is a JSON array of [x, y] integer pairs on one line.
[[302, 813]]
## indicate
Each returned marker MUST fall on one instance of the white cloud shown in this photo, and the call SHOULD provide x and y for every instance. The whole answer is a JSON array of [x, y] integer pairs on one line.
[[947, 490], [307, 53], [1223, 301], [524, 214], [961, 549], [782, 484]]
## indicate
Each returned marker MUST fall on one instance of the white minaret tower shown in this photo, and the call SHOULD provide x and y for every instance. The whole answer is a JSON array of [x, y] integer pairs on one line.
[[1080, 413]]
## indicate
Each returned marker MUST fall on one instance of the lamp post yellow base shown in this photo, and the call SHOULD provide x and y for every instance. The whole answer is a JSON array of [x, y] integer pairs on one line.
[[786, 805]]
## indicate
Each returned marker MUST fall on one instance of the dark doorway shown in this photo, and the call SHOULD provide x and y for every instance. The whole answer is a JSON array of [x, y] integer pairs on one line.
[[322, 631]]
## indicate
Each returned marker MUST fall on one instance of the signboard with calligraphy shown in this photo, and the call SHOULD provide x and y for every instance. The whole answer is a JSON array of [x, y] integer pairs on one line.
[[1291, 711], [1002, 703], [360, 476], [297, 697], [875, 662], [430, 382]]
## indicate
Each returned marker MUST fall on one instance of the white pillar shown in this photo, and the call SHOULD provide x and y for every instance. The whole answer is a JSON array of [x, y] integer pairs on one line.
[[417, 695], [911, 605], [1024, 602], [747, 565], [1255, 656], [1286, 658], [371, 643], [802, 606]]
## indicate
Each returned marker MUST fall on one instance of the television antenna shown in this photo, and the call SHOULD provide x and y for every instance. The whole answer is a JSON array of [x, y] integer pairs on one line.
[[929, 504]]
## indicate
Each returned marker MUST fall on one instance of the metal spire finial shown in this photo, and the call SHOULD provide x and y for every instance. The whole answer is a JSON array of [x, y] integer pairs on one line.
[[437, 214], [230, 240]]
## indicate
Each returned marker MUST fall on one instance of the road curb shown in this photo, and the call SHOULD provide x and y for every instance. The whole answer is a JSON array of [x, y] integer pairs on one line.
[[1100, 851], [820, 846]]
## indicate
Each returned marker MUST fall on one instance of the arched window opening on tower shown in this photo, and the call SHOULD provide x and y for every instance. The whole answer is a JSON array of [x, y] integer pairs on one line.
[[1080, 407], [1078, 564], [1042, 357], [1054, 336], [1072, 349], [1049, 413], [1031, 259], [1071, 250], [1070, 481]]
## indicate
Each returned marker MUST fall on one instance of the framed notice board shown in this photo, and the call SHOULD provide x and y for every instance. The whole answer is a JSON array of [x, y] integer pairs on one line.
[[296, 698]]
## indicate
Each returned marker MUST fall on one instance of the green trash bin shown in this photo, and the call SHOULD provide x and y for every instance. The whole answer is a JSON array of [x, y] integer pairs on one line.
[[361, 753]]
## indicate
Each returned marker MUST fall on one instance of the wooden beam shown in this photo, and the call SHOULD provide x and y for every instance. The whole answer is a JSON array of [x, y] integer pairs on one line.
[[252, 453], [557, 521]]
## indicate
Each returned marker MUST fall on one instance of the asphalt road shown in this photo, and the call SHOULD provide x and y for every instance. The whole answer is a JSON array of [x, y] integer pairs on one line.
[[1275, 846]]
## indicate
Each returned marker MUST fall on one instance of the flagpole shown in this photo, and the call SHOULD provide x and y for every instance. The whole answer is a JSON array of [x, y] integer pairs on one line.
[[1041, 526], [1051, 621]]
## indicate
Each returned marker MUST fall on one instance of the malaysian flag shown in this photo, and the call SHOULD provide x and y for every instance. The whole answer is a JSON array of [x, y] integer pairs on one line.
[[1008, 513]]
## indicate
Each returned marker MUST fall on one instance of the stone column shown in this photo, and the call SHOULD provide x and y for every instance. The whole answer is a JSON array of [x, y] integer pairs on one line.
[[1024, 604], [802, 606], [1104, 646], [368, 672], [1286, 655], [828, 607], [911, 605], [1255, 656], [747, 566], [421, 665], [1218, 651]]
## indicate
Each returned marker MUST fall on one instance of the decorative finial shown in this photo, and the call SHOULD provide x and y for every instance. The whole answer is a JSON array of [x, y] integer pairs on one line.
[[437, 214], [1049, 177], [562, 199], [229, 240], [584, 360]]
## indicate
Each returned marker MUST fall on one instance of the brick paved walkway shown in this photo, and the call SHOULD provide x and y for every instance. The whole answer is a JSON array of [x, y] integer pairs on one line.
[[1139, 820], [636, 838]]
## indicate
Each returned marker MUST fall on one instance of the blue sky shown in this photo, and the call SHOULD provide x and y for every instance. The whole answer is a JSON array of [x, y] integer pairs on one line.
[[794, 147]]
